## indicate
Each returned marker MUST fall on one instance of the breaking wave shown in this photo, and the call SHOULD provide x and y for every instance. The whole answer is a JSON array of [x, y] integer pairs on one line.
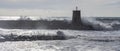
[[98, 23], [102, 24], [33, 35]]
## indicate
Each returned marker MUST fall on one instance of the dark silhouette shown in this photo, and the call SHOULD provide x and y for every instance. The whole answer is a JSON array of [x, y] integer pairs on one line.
[[76, 19], [27, 23]]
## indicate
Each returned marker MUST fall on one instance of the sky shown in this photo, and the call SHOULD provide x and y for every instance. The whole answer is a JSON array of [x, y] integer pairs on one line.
[[59, 7]]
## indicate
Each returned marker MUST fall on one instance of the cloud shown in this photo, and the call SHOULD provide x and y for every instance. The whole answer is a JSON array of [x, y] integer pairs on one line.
[[17, 1], [33, 12], [35, 4], [99, 8], [62, 7]]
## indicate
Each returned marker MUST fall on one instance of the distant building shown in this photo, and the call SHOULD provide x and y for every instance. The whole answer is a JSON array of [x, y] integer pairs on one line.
[[76, 19]]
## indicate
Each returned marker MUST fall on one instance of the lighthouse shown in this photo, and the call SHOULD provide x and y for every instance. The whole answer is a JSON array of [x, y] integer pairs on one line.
[[76, 18]]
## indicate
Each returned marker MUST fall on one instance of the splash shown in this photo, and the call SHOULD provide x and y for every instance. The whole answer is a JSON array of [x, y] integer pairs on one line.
[[99, 25]]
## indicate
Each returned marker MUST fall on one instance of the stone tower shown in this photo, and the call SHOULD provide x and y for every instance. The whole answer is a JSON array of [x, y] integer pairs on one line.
[[76, 18]]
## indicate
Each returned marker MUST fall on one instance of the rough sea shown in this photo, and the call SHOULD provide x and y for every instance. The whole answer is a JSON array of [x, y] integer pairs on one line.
[[107, 39]]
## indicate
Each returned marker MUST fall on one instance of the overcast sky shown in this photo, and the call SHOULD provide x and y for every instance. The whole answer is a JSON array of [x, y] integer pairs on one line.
[[60, 7]]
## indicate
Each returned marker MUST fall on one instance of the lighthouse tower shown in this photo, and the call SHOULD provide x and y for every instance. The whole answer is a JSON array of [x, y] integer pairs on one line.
[[76, 18]]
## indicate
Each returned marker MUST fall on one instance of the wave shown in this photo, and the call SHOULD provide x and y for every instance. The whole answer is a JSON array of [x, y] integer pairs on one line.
[[97, 23], [102, 24], [33, 35]]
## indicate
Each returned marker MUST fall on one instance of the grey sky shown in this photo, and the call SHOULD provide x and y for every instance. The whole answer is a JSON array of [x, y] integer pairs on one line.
[[59, 7]]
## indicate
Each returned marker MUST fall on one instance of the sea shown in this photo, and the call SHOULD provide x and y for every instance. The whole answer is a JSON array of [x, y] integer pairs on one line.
[[105, 37]]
